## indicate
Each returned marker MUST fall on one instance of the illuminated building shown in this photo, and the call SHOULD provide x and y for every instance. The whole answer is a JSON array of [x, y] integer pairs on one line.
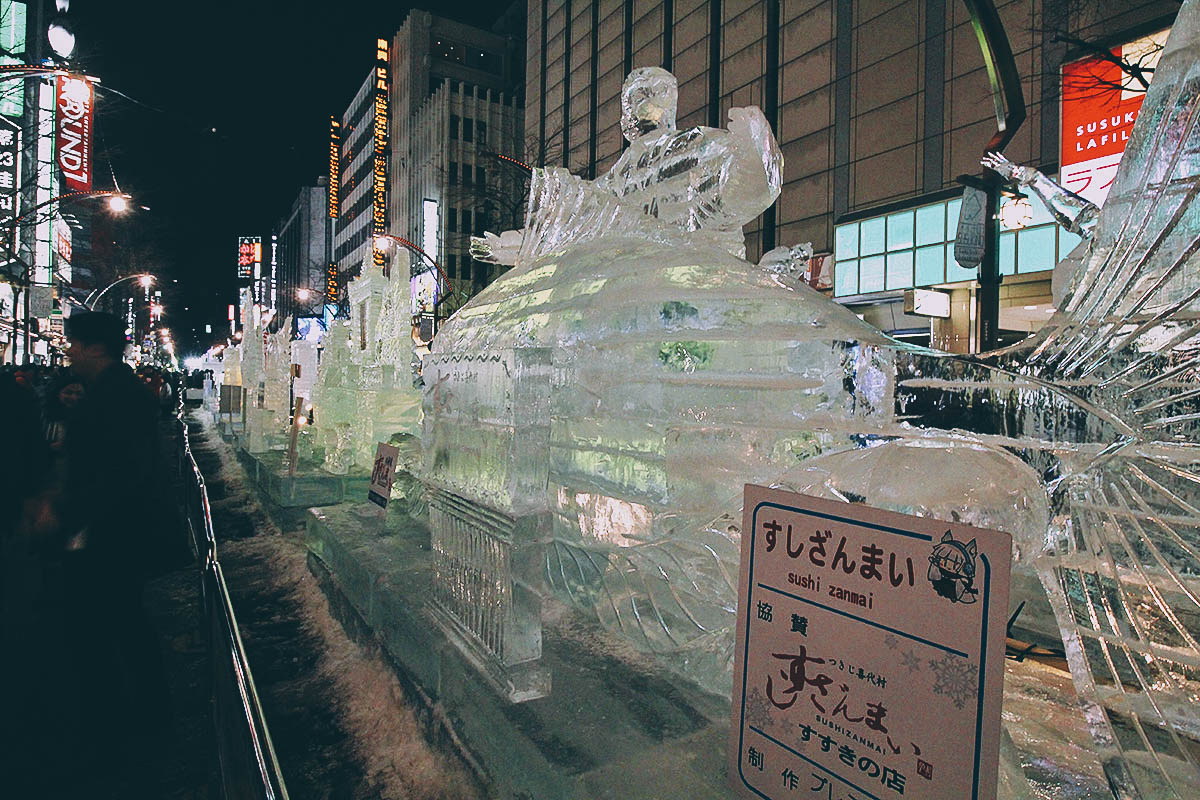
[[362, 166]]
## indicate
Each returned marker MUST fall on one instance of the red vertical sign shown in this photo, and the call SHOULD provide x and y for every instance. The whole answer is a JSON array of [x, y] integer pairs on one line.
[[74, 140], [1100, 103]]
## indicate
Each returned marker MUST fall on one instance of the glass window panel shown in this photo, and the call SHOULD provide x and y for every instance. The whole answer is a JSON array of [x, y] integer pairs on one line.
[[900, 270], [953, 271], [1041, 214], [952, 219], [1067, 242], [931, 264], [1035, 249], [845, 278], [1008, 254], [900, 230], [931, 224], [846, 241], [870, 237], [870, 274]]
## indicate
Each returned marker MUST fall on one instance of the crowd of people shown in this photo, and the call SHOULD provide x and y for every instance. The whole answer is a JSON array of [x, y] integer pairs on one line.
[[87, 516]]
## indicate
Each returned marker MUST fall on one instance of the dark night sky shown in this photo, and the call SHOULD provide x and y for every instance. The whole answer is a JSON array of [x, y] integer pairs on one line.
[[266, 76]]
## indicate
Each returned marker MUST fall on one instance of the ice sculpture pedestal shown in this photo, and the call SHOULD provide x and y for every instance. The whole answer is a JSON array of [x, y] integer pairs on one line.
[[615, 725], [309, 486]]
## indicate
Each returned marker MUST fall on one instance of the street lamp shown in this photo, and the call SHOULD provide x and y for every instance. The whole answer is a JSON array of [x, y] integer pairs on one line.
[[144, 278], [304, 295]]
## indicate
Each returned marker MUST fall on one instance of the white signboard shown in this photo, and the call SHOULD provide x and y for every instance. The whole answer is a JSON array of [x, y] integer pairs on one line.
[[384, 472]]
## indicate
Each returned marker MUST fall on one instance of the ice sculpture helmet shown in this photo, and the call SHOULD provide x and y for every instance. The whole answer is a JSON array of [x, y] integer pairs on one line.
[[649, 98]]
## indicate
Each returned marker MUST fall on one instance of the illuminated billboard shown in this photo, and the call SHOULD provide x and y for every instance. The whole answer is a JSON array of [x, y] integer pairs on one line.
[[1100, 103], [379, 166], [424, 289], [249, 258], [335, 175], [429, 227], [74, 131]]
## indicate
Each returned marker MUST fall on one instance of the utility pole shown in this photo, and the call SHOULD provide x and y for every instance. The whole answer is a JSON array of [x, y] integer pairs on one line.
[[977, 244]]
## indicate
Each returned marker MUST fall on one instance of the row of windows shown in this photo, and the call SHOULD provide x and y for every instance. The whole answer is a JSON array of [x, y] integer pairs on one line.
[[452, 221], [479, 269], [350, 245], [915, 248], [453, 174], [470, 133], [470, 55]]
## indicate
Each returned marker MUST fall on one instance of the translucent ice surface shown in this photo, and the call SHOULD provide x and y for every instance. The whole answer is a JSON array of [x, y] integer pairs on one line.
[[611, 393]]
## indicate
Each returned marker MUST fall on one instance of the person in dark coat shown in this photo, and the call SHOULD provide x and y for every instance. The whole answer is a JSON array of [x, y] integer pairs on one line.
[[112, 539]]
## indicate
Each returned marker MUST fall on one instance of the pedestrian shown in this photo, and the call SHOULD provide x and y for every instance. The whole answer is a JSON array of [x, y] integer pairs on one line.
[[111, 539], [60, 405]]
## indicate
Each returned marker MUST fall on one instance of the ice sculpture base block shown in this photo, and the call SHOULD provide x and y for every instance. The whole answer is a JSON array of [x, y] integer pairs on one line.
[[309, 486], [614, 726]]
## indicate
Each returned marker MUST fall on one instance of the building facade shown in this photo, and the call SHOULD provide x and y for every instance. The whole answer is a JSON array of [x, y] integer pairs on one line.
[[363, 157], [456, 99], [877, 106], [303, 239]]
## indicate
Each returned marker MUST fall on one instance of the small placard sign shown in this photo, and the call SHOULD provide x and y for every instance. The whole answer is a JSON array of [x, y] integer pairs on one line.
[[383, 474], [870, 653]]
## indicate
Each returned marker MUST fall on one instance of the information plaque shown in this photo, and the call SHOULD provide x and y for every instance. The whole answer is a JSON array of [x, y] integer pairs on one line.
[[383, 473], [870, 653]]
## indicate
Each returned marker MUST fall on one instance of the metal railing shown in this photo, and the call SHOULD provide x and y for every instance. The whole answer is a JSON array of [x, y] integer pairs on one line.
[[249, 768]]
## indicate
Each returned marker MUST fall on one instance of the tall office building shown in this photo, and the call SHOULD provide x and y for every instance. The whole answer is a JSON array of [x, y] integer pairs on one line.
[[303, 255], [363, 157], [456, 97]]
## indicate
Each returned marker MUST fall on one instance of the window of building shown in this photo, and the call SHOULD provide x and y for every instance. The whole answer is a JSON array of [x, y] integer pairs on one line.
[[915, 247], [480, 132], [451, 51], [481, 221], [454, 127], [466, 222], [466, 175], [452, 266], [468, 130], [452, 173], [453, 87], [480, 176], [452, 220], [481, 59]]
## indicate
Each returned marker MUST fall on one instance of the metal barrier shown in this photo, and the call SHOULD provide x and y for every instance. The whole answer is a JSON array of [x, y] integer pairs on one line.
[[249, 768]]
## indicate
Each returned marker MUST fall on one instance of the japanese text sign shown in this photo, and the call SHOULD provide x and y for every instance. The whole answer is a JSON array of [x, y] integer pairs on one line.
[[249, 256], [10, 182], [870, 653], [380, 488]]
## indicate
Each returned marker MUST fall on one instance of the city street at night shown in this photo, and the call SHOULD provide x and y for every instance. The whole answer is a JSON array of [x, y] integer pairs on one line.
[[600, 399]]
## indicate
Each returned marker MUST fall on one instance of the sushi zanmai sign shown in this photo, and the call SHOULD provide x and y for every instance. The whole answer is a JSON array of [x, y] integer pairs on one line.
[[870, 653]]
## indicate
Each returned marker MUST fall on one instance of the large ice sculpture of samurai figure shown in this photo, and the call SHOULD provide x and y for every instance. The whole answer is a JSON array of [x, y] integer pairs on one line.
[[632, 371]]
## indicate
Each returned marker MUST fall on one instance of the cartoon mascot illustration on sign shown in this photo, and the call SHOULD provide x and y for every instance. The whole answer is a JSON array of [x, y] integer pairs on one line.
[[952, 569]]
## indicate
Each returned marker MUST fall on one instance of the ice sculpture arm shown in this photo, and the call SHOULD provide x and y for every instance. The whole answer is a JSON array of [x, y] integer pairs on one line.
[[1070, 210], [493, 249], [755, 147]]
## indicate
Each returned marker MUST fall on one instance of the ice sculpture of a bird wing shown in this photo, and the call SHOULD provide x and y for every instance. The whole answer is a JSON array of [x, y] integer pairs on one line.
[[1125, 573]]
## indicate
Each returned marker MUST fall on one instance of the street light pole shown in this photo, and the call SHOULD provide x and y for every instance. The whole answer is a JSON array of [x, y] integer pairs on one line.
[[441, 275], [145, 277]]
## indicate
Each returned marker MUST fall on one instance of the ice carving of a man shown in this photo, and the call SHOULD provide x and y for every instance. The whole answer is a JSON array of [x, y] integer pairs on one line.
[[703, 181]]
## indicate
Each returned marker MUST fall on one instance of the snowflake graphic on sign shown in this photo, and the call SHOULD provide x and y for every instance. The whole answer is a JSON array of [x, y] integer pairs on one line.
[[955, 678], [757, 712]]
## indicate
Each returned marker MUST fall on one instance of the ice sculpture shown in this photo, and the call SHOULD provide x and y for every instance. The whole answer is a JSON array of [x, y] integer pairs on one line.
[[592, 415], [364, 391]]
